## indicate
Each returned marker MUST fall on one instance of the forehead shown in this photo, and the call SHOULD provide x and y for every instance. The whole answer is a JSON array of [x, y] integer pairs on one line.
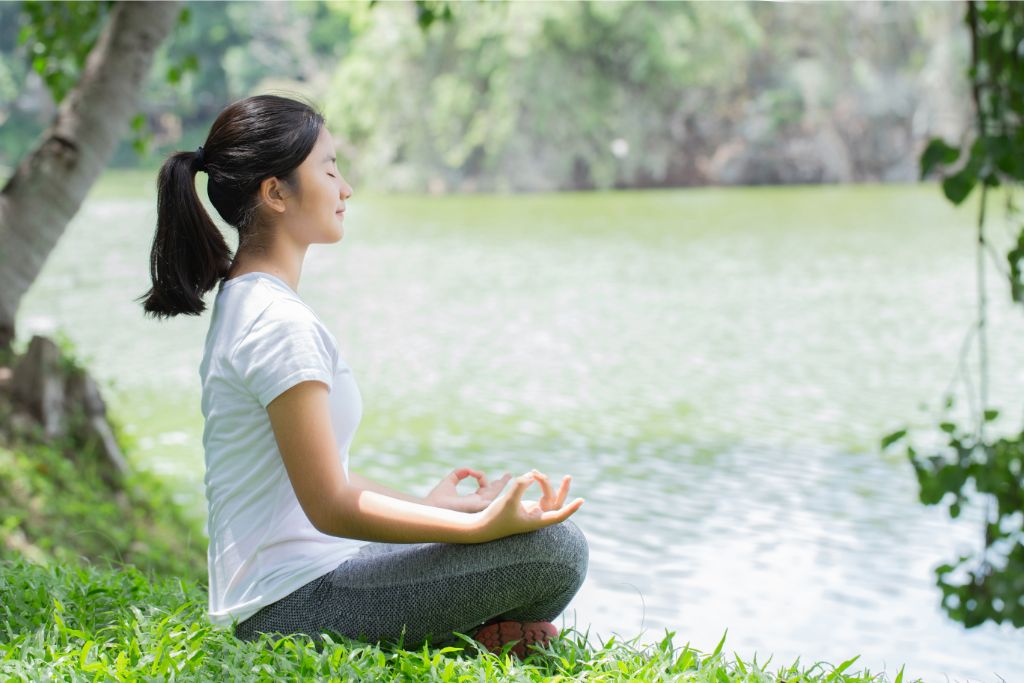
[[323, 151], [325, 141]]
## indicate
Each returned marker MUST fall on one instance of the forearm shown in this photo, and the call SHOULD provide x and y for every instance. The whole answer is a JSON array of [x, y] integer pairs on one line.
[[368, 515], [359, 481]]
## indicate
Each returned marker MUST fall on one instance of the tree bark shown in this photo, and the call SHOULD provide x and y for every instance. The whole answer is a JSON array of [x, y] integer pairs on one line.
[[50, 183]]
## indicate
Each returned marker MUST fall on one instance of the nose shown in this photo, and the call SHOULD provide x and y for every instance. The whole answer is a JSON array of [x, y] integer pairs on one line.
[[346, 190]]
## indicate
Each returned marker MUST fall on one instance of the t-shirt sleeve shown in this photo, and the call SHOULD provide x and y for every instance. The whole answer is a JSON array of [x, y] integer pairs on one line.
[[285, 346]]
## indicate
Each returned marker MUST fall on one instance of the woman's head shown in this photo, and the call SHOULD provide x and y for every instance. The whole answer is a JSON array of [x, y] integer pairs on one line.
[[260, 156]]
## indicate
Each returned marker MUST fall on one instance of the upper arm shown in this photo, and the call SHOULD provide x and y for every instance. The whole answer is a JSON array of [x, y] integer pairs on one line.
[[301, 420]]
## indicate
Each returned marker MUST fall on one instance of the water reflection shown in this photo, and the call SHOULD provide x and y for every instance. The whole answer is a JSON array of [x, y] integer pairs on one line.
[[714, 368]]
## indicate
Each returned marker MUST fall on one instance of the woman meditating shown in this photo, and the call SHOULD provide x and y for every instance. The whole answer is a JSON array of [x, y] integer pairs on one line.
[[298, 543]]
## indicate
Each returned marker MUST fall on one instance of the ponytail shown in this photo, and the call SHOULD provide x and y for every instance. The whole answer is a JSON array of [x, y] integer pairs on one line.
[[189, 252]]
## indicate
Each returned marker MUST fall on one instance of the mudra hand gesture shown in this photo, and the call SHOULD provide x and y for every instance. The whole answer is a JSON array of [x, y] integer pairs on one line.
[[508, 514], [444, 494]]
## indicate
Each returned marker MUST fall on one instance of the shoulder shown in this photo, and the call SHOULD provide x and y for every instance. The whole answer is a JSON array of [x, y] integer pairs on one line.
[[286, 324]]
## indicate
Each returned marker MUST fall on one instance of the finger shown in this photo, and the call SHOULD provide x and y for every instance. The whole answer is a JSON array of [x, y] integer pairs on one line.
[[563, 491], [563, 514], [522, 483], [545, 485], [462, 472], [479, 476], [499, 483]]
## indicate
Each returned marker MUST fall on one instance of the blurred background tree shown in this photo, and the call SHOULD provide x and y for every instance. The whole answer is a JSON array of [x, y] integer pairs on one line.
[[92, 59], [563, 95]]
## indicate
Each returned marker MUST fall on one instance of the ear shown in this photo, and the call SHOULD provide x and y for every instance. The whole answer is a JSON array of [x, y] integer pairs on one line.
[[273, 193]]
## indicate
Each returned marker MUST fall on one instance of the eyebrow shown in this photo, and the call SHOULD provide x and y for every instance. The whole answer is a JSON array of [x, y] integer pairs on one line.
[[330, 157]]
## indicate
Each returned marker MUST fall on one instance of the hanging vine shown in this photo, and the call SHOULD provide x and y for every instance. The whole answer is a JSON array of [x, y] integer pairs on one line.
[[987, 585]]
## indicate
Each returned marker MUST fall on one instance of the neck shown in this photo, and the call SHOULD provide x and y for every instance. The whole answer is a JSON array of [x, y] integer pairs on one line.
[[284, 262]]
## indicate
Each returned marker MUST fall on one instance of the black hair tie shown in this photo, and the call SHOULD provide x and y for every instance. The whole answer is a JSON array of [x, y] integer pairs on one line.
[[199, 162]]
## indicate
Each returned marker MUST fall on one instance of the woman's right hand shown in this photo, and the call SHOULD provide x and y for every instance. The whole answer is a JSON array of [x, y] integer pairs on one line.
[[508, 514]]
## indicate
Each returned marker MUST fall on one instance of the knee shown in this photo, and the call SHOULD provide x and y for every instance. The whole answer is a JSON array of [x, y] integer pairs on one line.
[[565, 543]]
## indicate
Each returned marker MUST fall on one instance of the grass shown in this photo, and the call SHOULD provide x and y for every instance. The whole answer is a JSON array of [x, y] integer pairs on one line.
[[83, 623], [56, 508]]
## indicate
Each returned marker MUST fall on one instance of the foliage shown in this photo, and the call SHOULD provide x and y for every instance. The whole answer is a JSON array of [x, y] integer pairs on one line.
[[590, 95], [56, 505], [78, 623], [58, 37], [223, 51], [543, 96], [429, 11], [990, 585]]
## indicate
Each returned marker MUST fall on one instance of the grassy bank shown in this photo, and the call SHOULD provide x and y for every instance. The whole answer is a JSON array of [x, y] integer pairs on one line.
[[57, 509], [68, 622]]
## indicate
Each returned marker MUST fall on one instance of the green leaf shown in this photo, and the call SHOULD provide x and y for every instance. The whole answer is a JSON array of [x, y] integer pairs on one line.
[[991, 415], [957, 186], [890, 439], [85, 653], [844, 666], [720, 643], [937, 153]]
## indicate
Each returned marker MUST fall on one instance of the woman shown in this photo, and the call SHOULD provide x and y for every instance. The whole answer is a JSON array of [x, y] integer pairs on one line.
[[297, 543]]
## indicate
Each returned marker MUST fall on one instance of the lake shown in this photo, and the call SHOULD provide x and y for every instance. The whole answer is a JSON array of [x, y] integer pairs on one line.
[[715, 368]]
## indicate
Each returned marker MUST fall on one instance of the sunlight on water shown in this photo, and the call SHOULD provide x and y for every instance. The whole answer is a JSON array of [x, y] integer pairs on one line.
[[714, 367]]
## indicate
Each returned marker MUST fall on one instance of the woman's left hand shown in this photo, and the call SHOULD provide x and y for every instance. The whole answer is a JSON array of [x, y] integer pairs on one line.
[[444, 494]]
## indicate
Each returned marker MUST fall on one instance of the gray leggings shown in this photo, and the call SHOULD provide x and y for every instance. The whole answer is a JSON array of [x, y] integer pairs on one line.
[[433, 589]]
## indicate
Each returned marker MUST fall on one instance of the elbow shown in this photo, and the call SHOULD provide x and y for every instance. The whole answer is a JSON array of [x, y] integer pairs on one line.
[[332, 514]]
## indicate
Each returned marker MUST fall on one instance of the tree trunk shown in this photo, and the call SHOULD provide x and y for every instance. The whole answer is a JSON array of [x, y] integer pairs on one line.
[[50, 183]]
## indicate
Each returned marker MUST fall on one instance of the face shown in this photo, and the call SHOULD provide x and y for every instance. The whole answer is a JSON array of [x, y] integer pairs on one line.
[[317, 209]]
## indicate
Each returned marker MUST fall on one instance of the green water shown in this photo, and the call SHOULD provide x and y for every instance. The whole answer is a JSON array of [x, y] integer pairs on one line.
[[714, 367]]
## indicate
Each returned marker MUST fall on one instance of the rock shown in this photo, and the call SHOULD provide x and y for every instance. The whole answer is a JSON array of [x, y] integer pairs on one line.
[[53, 400], [83, 394], [38, 385]]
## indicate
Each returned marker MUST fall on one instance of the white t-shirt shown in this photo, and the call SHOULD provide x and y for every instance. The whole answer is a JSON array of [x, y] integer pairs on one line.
[[263, 339]]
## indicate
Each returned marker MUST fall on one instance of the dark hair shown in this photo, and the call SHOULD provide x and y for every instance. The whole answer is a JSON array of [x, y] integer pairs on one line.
[[252, 139]]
